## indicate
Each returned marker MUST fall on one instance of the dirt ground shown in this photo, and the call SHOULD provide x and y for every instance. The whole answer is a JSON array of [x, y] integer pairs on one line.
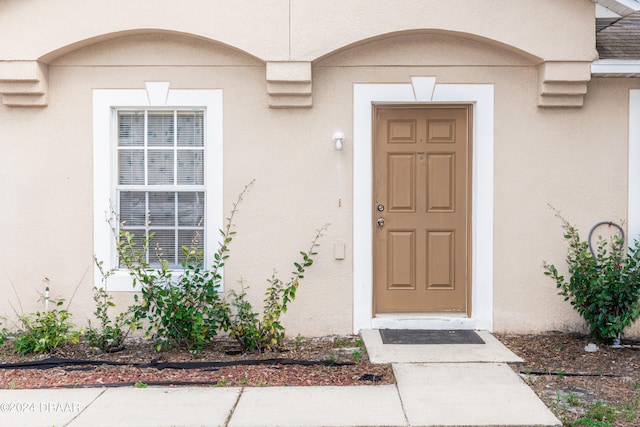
[[600, 388]]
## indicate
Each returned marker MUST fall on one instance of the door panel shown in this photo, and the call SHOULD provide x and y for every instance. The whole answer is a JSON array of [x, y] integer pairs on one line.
[[441, 131], [401, 131], [401, 182], [441, 182], [440, 259], [402, 260], [422, 180]]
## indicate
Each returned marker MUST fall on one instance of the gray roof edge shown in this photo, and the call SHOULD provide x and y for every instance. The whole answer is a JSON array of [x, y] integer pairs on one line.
[[621, 7]]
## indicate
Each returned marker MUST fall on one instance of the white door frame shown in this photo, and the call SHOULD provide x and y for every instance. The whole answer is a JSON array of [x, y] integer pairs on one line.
[[424, 90]]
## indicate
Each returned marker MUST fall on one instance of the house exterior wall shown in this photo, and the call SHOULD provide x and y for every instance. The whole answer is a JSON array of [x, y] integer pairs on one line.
[[571, 158], [574, 161], [280, 30]]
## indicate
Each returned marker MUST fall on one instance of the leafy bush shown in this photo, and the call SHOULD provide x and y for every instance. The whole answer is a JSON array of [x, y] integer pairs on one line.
[[4, 332], [43, 331], [186, 309], [183, 309], [254, 334], [110, 334], [604, 289]]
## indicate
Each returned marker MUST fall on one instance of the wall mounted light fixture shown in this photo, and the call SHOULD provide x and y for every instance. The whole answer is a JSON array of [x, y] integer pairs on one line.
[[338, 140]]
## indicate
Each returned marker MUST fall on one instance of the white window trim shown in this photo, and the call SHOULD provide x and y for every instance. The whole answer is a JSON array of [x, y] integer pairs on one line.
[[156, 94], [634, 167], [424, 90]]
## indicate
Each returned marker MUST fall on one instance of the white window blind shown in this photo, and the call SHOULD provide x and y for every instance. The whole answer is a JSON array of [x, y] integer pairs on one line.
[[160, 179]]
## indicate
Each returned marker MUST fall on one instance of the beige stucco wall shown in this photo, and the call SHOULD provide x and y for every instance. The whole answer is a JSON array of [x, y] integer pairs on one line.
[[278, 30], [299, 177], [574, 159]]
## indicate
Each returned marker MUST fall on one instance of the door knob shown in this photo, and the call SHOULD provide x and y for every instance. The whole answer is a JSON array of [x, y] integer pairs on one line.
[[381, 222]]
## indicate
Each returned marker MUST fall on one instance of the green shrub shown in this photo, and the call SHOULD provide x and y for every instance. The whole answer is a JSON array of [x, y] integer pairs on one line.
[[604, 289], [4, 332], [110, 334], [266, 333], [185, 308], [43, 331]]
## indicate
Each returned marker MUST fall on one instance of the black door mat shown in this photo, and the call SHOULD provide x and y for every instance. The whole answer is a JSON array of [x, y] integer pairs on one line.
[[423, 336]]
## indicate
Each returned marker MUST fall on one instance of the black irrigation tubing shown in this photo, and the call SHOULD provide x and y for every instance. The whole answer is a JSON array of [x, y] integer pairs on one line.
[[365, 377], [131, 384], [568, 374], [54, 362]]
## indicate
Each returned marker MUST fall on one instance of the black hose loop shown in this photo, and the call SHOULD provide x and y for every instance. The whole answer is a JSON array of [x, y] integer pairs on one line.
[[610, 224]]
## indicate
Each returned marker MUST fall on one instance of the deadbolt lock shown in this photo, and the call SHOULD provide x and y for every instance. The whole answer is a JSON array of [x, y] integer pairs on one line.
[[380, 207]]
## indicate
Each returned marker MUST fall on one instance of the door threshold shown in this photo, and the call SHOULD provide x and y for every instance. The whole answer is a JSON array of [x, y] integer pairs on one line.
[[423, 321]]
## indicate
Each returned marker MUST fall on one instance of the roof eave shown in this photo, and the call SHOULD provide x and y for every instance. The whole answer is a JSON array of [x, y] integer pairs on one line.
[[621, 7], [615, 68]]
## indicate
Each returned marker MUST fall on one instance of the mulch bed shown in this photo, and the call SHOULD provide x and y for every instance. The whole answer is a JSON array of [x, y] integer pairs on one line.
[[329, 360], [596, 389]]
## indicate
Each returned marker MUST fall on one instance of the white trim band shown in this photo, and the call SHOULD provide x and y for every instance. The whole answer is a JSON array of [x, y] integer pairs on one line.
[[615, 66]]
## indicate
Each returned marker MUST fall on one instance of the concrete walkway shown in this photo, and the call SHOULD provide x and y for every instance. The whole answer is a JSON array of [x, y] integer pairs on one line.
[[468, 385]]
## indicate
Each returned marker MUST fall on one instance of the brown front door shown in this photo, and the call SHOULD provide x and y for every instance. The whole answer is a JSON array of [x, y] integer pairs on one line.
[[421, 204]]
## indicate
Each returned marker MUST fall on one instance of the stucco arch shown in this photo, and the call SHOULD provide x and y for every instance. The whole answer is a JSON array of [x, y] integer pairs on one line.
[[61, 51], [461, 40], [560, 83], [289, 83], [24, 83]]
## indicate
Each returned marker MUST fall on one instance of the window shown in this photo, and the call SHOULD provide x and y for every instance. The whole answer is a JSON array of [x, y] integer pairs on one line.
[[158, 163], [161, 173]]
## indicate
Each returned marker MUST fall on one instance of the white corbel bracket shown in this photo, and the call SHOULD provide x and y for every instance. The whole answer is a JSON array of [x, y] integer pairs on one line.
[[289, 84], [24, 83]]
